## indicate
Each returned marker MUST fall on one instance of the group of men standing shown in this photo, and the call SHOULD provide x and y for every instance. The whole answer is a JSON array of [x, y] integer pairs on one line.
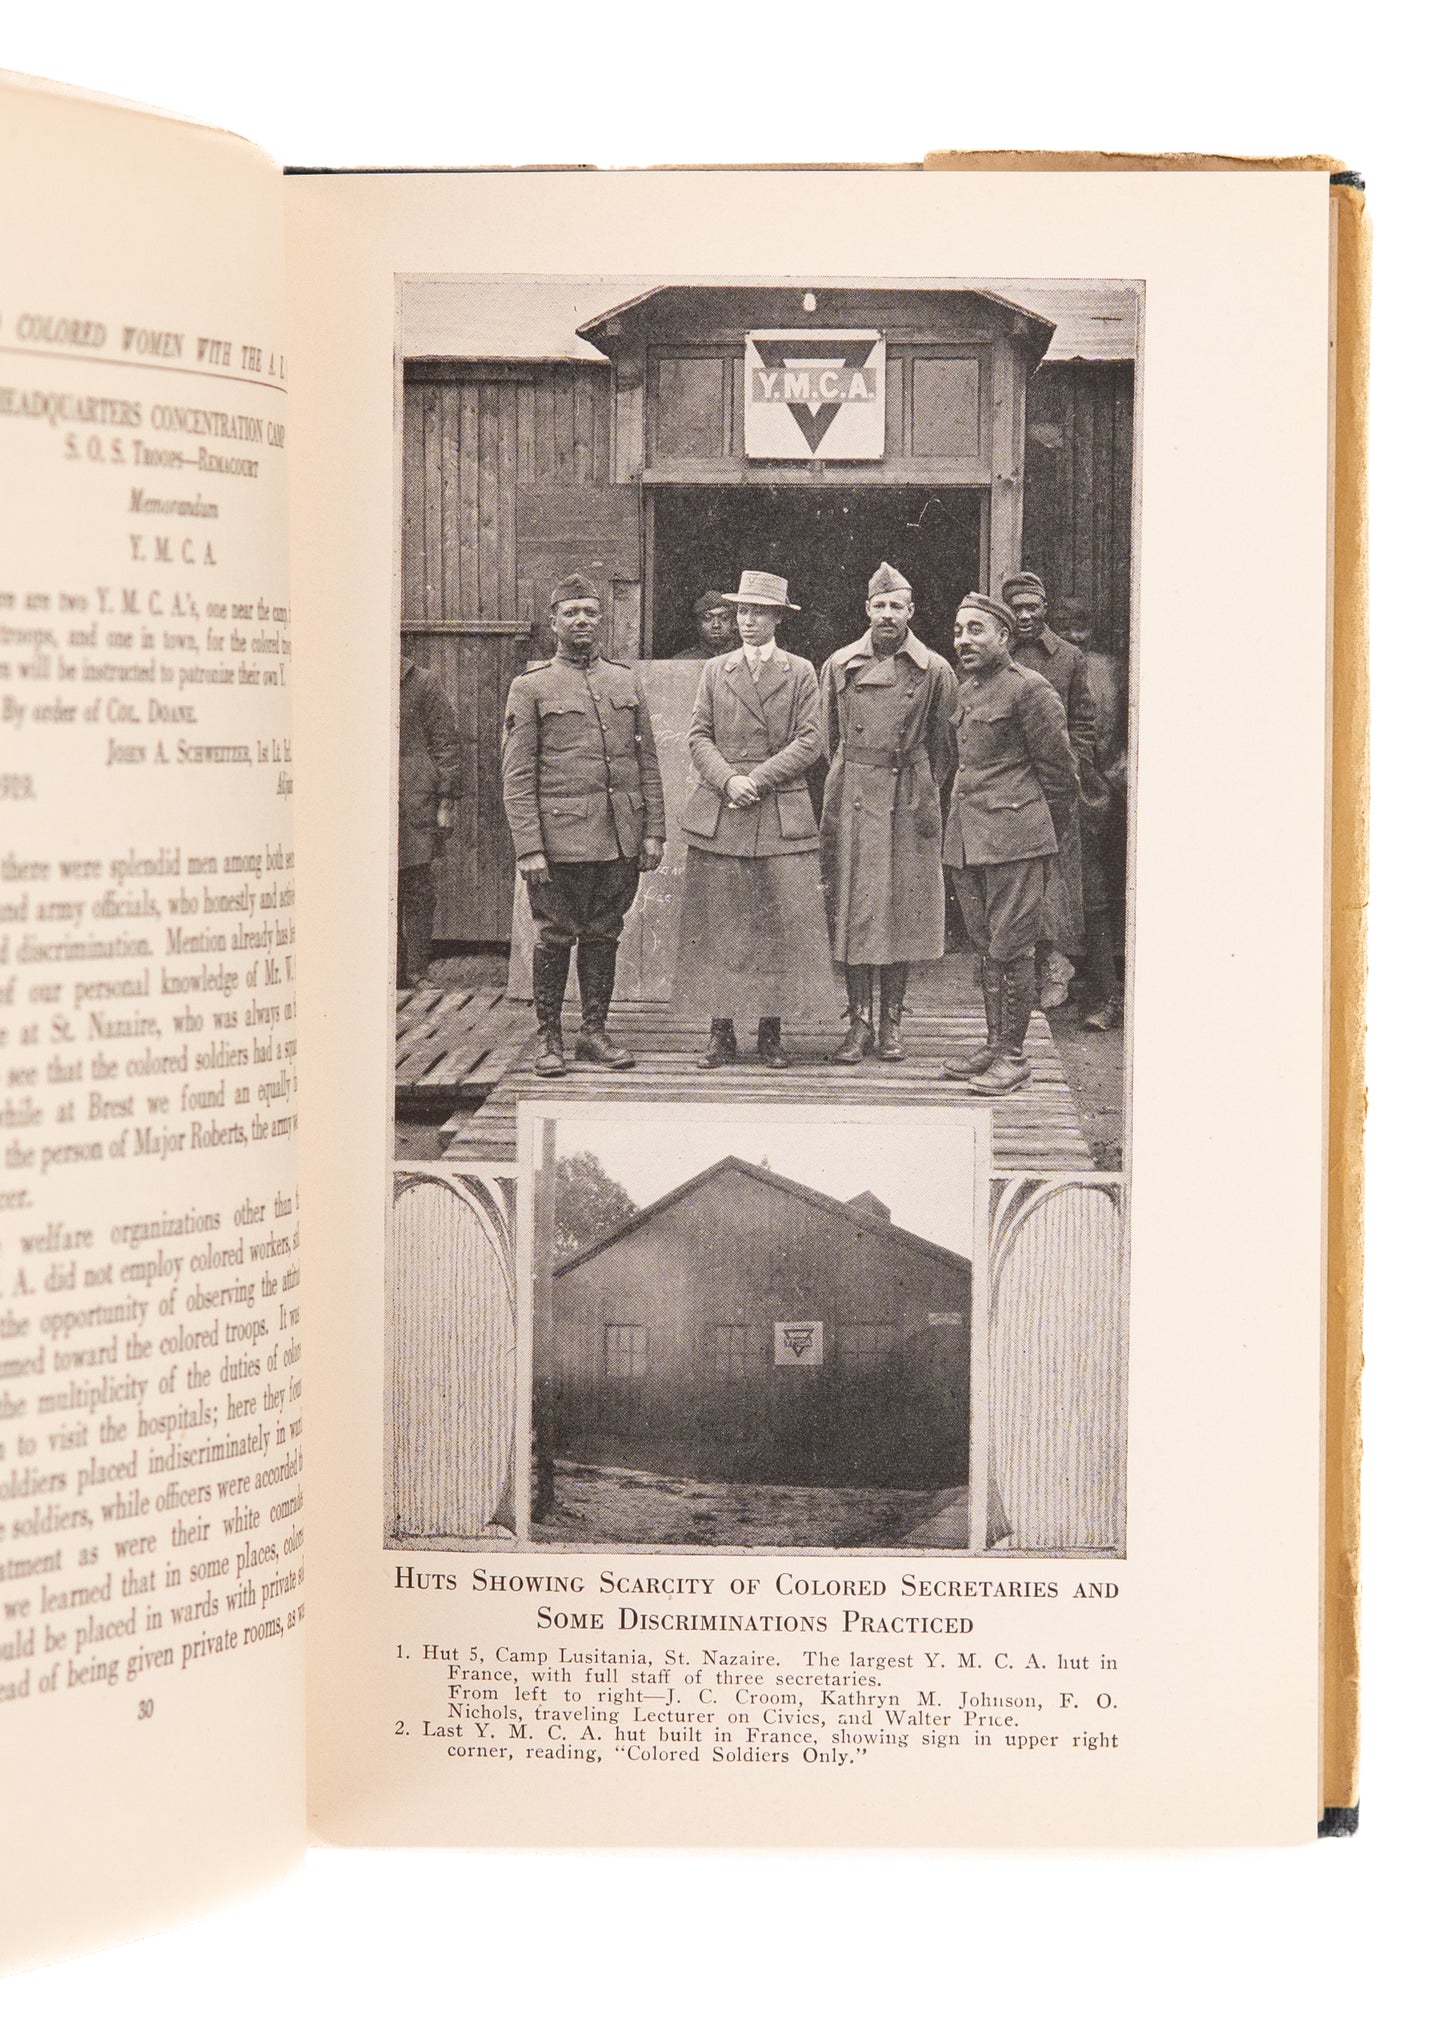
[[989, 769]]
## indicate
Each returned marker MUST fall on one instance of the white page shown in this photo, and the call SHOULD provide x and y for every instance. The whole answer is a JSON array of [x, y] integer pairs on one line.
[[150, 1690], [1220, 1666]]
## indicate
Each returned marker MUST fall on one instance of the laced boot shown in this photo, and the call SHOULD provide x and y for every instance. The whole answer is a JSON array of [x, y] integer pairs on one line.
[[891, 993], [858, 1040], [991, 980], [722, 1046], [770, 1043], [550, 967], [596, 971], [1010, 1070]]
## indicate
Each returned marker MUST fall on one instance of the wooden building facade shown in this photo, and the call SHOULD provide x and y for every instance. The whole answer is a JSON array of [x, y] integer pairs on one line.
[[629, 461], [745, 1328]]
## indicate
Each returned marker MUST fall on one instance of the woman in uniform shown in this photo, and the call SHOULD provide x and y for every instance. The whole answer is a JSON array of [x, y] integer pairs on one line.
[[753, 941]]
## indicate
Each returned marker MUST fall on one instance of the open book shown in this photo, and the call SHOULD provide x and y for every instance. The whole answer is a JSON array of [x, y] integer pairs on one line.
[[715, 800]]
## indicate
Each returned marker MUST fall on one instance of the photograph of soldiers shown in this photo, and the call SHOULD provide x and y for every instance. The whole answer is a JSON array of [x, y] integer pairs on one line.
[[428, 784], [887, 719], [753, 937], [717, 630], [1039, 647], [583, 800], [1014, 794], [1103, 821]]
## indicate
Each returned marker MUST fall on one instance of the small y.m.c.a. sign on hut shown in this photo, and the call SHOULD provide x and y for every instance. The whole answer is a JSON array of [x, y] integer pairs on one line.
[[746, 1328]]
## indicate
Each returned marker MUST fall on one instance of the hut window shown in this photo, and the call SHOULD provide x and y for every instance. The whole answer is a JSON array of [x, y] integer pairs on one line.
[[865, 1348], [624, 1351], [690, 419], [738, 1354], [945, 407]]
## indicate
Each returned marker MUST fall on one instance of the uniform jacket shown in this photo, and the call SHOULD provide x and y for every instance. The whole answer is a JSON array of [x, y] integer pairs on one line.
[[888, 725], [579, 765], [431, 764], [771, 730], [1017, 785], [1066, 669]]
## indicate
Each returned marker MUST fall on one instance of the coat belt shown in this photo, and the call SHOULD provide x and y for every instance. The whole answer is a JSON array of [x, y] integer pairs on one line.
[[892, 758]]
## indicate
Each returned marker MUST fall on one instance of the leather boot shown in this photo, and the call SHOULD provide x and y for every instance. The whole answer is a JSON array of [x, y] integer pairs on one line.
[[550, 967], [722, 1046], [969, 1065], [1010, 1070], [770, 1043], [858, 1040], [596, 970], [894, 985]]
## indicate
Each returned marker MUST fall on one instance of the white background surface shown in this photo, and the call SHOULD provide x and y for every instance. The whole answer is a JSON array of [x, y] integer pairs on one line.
[[1176, 1937]]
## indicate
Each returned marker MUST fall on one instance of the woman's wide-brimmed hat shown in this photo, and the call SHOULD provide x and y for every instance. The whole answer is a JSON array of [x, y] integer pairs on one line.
[[756, 586]]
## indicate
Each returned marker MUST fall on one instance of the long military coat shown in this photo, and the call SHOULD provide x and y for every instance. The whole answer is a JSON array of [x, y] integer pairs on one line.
[[1063, 666], [770, 729], [888, 725], [431, 764], [580, 779]]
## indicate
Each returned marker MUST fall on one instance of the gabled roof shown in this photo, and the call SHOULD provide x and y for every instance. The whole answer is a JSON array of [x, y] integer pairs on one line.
[[767, 300], [468, 316], [861, 1218]]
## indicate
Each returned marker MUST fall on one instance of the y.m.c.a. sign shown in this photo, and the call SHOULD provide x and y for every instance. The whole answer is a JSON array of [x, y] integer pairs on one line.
[[813, 394]]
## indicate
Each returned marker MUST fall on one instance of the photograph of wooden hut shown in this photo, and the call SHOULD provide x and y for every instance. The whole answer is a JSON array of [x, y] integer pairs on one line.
[[748, 1357]]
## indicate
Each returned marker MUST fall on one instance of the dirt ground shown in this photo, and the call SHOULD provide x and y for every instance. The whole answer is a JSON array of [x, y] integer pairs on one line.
[[629, 1506]]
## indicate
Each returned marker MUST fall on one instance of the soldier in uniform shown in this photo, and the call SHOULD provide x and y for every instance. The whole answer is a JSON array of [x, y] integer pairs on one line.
[[1038, 646], [753, 939], [1103, 819], [429, 780], [717, 630], [887, 718], [583, 796], [1015, 792]]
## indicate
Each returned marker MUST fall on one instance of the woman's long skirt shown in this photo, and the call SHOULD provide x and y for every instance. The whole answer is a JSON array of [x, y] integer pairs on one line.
[[753, 941]]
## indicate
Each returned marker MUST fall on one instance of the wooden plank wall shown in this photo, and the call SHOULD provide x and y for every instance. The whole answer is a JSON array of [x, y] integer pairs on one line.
[[1058, 1366], [473, 433], [453, 1361], [739, 1253], [1078, 489]]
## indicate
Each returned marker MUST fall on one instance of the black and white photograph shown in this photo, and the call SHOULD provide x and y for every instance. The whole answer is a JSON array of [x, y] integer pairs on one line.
[[764, 701], [763, 766], [752, 1327]]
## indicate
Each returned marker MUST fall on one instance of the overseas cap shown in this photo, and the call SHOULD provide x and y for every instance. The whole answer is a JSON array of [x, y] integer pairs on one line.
[[976, 601], [886, 577], [1026, 581], [710, 600], [575, 586]]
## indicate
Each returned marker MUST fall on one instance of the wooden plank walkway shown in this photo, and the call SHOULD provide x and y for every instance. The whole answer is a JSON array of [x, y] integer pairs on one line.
[[1035, 1129], [456, 1043]]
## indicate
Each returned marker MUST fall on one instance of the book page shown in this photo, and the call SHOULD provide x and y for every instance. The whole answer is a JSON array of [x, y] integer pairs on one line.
[[150, 1416], [824, 1311]]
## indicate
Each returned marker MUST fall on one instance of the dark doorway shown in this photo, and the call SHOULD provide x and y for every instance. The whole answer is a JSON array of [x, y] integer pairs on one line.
[[827, 543]]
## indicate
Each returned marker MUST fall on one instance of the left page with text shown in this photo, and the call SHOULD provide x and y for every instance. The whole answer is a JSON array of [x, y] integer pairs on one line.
[[151, 1733]]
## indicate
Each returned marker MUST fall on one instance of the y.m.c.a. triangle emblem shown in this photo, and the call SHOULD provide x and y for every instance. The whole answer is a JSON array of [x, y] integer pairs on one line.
[[813, 394]]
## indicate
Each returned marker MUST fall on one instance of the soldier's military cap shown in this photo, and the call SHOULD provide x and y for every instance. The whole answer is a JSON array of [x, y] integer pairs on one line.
[[885, 577], [710, 600], [573, 587], [976, 600], [1024, 580]]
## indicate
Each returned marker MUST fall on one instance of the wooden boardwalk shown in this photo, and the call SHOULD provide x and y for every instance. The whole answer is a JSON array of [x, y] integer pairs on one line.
[[456, 1044], [477, 1046]]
